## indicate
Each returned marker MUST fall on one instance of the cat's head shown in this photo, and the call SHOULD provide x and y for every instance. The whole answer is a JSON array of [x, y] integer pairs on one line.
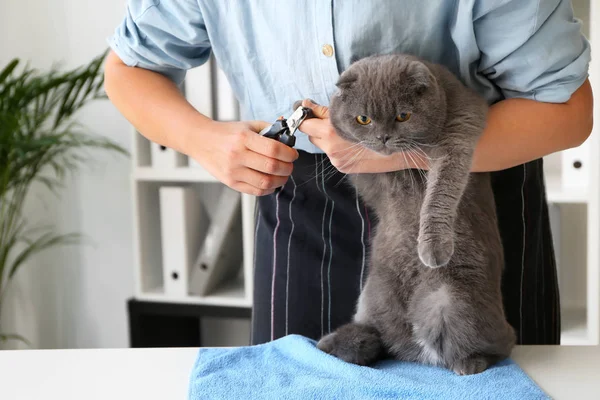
[[389, 103]]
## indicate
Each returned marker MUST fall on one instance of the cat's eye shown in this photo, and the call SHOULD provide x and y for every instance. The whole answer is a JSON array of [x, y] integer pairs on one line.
[[363, 120], [405, 116]]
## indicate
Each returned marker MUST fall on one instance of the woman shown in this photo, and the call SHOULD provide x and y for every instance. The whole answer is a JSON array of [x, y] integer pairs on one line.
[[527, 58]]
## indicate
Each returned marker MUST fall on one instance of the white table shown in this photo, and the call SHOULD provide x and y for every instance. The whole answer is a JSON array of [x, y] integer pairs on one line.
[[161, 374]]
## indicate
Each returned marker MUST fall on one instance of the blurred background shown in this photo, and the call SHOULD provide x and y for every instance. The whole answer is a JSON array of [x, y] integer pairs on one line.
[[74, 296], [116, 289]]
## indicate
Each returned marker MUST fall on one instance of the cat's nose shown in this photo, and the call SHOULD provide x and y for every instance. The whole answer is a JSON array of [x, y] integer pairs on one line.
[[384, 139]]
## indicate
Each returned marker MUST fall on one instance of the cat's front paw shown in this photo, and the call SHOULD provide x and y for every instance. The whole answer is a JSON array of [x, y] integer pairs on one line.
[[436, 251], [353, 343]]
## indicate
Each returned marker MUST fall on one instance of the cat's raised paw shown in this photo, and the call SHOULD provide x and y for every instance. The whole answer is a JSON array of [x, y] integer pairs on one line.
[[471, 365], [436, 252], [353, 343]]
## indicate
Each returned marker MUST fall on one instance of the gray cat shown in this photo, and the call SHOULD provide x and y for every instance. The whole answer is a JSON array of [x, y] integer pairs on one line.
[[433, 291]]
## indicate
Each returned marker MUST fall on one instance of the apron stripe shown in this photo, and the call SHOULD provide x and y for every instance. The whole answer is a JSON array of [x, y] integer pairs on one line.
[[323, 257], [330, 258], [274, 270], [287, 283], [522, 253], [257, 218]]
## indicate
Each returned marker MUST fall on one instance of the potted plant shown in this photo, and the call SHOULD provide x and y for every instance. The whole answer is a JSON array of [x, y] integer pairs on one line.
[[40, 142]]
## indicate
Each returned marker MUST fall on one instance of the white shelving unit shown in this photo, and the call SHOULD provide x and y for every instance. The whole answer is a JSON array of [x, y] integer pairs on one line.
[[575, 212], [147, 179], [148, 252]]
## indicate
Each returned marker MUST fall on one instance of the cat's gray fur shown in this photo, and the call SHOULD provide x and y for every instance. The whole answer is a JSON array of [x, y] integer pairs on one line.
[[433, 291]]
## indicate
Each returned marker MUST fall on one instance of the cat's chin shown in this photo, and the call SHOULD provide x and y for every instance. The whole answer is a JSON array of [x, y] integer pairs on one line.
[[385, 151]]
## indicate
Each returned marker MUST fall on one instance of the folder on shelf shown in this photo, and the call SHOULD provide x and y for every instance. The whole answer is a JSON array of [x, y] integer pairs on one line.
[[164, 157], [221, 256], [576, 167], [184, 223], [199, 93]]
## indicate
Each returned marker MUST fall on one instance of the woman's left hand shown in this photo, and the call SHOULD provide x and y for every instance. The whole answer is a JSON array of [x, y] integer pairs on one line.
[[345, 156]]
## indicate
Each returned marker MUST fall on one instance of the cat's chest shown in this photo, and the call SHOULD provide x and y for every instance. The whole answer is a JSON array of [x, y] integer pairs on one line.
[[398, 192]]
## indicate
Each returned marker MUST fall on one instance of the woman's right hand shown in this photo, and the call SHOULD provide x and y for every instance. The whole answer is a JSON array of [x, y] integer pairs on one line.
[[235, 154]]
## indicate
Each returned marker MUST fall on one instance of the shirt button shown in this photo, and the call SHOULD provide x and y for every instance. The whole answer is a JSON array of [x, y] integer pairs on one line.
[[327, 49]]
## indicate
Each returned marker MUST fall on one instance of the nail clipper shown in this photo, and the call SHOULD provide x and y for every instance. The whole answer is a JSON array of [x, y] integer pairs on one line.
[[283, 130]]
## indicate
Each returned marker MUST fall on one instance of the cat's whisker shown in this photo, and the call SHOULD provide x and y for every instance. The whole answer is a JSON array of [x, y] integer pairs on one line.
[[326, 174], [330, 174], [420, 154], [354, 145], [359, 151], [412, 181], [406, 145], [341, 180], [356, 157], [417, 149], [349, 162], [319, 170], [423, 175], [419, 143], [329, 170], [416, 146], [415, 155]]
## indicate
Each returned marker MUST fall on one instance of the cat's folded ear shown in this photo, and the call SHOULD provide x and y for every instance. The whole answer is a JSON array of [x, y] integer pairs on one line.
[[347, 79], [421, 76]]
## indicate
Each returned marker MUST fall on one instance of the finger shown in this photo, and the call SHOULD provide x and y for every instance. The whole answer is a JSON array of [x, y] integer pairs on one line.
[[270, 148], [258, 126], [251, 190], [260, 180], [268, 165], [316, 128], [318, 110]]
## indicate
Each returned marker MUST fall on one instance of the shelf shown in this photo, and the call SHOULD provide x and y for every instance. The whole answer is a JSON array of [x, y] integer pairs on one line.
[[574, 328], [231, 294], [557, 194], [182, 174]]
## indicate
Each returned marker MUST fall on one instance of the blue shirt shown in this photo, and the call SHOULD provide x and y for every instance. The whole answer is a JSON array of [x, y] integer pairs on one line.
[[275, 52]]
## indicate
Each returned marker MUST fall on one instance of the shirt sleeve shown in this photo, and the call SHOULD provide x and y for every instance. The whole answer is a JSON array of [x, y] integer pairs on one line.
[[532, 49], [166, 36]]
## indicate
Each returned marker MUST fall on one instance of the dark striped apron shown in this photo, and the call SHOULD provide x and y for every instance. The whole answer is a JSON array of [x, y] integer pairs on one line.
[[312, 243]]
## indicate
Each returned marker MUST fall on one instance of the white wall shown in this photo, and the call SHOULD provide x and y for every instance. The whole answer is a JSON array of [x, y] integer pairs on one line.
[[75, 297]]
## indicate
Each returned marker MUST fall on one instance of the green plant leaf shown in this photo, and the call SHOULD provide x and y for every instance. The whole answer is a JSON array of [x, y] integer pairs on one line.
[[44, 242], [8, 70], [40, 142]]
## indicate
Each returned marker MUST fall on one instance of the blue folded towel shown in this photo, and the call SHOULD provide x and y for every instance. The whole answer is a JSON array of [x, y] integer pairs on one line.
[[294, 368]]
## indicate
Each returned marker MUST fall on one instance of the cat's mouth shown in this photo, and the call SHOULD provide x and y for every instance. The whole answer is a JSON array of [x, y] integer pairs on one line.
[[385, 149]]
